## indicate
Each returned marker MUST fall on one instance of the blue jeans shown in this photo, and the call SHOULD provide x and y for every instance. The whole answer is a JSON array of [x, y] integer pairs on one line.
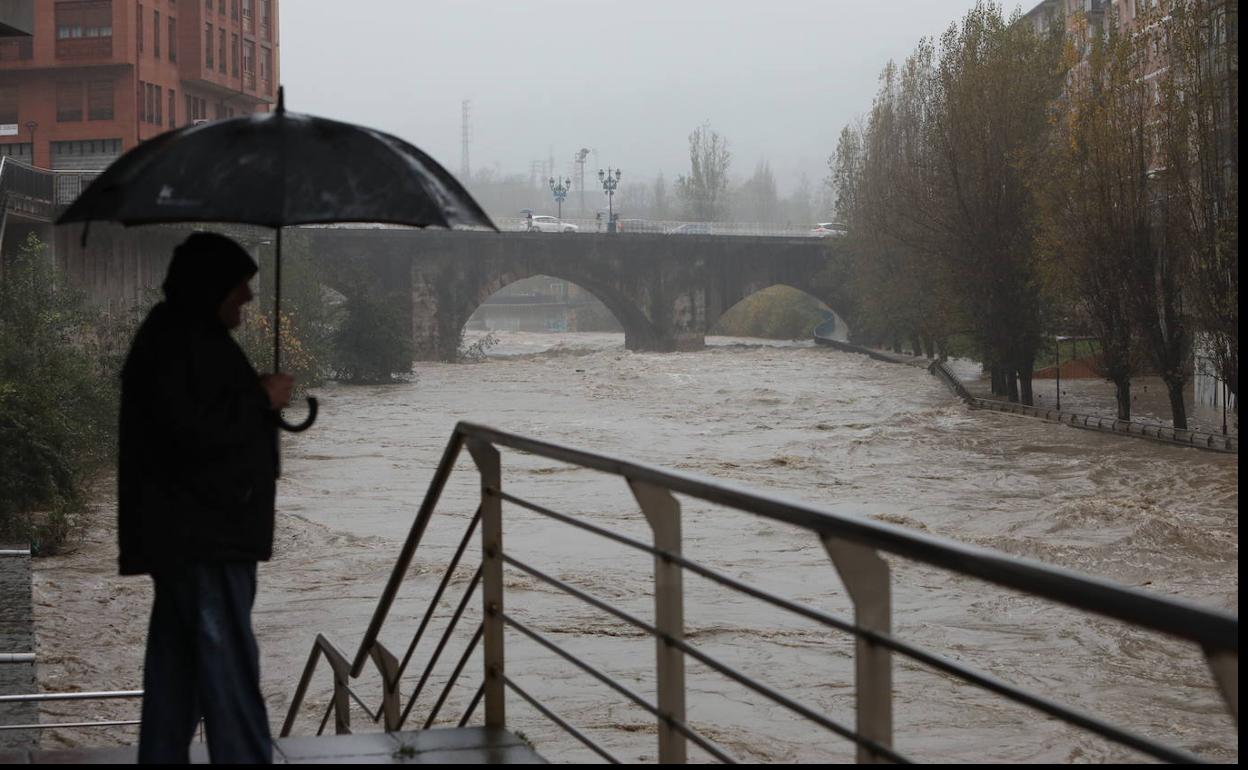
[[202, 661]]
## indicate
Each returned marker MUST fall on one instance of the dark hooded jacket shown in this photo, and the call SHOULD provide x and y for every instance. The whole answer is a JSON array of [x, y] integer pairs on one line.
[[197, 455]]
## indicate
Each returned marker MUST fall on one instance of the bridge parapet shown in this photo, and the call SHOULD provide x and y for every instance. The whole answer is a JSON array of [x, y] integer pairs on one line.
[[666, 292]]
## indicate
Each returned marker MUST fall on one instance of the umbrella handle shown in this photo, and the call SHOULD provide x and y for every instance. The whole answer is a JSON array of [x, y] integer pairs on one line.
[[301, 427]]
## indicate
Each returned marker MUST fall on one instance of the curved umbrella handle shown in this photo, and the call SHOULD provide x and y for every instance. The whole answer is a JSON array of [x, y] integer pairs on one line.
[[301, 427]]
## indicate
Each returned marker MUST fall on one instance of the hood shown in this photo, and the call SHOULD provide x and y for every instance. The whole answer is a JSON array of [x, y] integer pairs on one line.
[[205, 268]]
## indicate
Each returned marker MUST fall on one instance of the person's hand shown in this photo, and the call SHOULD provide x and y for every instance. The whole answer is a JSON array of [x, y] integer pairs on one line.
[[278, 386]]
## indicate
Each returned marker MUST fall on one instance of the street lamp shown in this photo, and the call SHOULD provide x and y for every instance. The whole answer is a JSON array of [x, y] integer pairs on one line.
[[609, 182], [560, 189], [581, 154], [31, 126], [1058, 368]]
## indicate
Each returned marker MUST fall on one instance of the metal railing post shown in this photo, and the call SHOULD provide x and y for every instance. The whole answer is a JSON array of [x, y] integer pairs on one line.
[[865, 575], [1225, 668], [391, 700], [342, 702], [662, 511], [488, 464]]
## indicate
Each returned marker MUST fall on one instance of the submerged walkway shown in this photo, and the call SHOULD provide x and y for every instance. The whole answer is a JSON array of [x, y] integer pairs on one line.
[[1165, 434], [464, 745]]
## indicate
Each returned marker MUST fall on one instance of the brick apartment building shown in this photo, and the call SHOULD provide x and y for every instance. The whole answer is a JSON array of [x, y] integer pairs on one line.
[[96, 77]]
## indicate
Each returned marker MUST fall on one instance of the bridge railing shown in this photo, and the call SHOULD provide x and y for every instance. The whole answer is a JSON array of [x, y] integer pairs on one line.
[[855, 547], [70, 184], [26, 189], [666, 227], [37, 192]]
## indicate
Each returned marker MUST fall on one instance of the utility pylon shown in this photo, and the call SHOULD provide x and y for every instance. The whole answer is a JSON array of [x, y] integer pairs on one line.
[[465, 167]]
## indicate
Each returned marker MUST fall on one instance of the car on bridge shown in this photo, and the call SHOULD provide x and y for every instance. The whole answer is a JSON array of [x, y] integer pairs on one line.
[[829, 230], [547, 224]]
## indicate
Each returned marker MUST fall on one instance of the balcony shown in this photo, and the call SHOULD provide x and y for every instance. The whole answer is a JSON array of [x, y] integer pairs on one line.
[[84, 48]]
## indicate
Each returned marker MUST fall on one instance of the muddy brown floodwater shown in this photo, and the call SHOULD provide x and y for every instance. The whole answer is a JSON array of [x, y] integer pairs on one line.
[[838, 430]]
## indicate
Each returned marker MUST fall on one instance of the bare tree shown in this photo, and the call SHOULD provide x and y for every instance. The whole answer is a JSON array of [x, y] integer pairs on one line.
[[1199, 96], [1095, 194], [705, 190]]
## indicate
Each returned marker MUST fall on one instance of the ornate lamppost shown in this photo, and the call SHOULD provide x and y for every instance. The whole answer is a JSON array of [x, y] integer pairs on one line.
[[31, 125], [610, 180], [560, 189]]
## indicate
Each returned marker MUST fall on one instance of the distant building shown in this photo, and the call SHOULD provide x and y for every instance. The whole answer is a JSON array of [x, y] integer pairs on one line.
[[96, 77]]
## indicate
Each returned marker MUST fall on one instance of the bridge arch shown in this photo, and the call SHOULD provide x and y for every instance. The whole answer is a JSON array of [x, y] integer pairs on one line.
[[639, 332], [532, 304], [786, 297]]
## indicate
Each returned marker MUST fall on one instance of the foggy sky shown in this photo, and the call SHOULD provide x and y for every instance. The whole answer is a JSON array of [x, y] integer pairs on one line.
[[630, 79]]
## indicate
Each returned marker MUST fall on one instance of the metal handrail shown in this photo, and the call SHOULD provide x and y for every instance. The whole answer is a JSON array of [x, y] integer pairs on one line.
[[1165, 433], [853, 545], [46, 697]]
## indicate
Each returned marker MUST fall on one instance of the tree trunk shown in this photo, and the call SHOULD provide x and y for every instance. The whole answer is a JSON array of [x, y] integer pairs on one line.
[[929, 348], [1122, 388], [916, 346], [1174, 388], [1024, 383], [998, 381], [1011, 382]]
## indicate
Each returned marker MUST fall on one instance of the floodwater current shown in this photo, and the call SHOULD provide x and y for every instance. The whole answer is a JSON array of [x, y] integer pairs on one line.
[[838, 430]]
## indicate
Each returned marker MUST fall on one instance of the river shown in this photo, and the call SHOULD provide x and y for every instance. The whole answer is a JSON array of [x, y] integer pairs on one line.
[[838, 430]]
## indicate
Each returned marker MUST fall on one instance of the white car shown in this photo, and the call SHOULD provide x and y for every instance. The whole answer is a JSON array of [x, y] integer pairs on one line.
[[829, 230], [545, 224]]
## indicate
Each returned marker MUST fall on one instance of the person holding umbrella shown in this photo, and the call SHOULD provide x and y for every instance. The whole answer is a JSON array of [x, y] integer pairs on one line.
[[196, 486], [200, 451]]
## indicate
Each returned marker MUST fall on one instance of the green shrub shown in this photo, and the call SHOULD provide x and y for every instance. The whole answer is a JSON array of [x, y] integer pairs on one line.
[[373, 342], [59, 393], [778, 312]]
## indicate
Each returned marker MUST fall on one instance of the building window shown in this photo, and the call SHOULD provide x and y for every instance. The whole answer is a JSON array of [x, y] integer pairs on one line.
[[249, 65], [190, 109], [149, 93], [68, 102], [266, 19], [8, 106], [158, 103], [234, 55], [221, 7], [138, 32], [248, 20], [84, 28], [234, 10], [208, 46], [266, 70], [100, 100], [19, 151], [85, 154], [221, 52], [173, 106], [173, 39], [156, 34]]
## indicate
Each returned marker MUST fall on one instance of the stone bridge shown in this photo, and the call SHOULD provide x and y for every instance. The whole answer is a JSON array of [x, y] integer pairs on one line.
[[666, 291]]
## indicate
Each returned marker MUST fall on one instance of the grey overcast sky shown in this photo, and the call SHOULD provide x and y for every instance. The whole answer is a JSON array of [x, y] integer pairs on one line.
[[630, 79]]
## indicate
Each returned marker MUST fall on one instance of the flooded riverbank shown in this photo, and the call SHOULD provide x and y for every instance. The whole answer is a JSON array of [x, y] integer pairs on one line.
[[834, 429]]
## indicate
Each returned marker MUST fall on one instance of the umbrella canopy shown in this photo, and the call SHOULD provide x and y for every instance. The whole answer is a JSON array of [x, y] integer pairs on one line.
[[277, 169]]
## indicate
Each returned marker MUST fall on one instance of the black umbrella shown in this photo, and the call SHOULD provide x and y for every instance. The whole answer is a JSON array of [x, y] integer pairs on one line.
[[277, 169]]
